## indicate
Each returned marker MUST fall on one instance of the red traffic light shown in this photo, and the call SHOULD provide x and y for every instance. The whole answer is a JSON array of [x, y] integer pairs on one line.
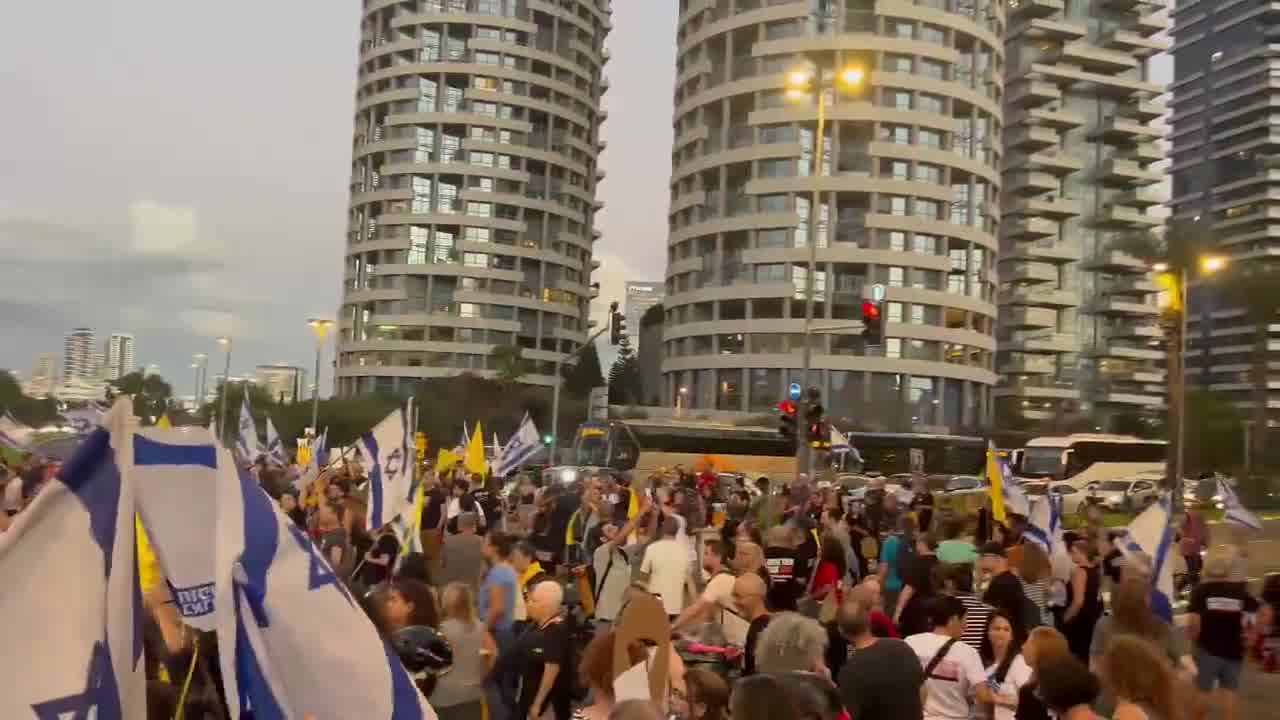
[[870, 311], [786, 407]]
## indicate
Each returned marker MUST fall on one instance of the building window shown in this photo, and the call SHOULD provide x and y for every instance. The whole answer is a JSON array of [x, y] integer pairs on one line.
[[931, 139], [897, 240], [927, 209], [902, 29], [894, 312], [897, 205], [900, 170], [925, 244], [892, 347], [899, 99], [933, 34], [929, 173], [776, 238], [930, 103], [771, 273], [898, 134], [935, 69], [897, 277], [898, 63]]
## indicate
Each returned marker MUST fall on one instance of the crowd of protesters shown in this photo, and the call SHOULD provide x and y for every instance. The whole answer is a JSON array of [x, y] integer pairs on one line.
[[785, 603]]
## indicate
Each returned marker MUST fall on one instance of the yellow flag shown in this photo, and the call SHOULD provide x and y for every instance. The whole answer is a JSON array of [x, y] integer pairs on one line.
[[148, 567], [446, 459], [475, 462], [304, 454], [163, 423], [995, 478]]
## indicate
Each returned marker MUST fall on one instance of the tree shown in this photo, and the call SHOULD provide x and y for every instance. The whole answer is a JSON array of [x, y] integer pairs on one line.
[[1215, 433], [151, 394], [1256, 289], [582, 378], [259, 401], [509, 362], [624, 376], [35, 412]]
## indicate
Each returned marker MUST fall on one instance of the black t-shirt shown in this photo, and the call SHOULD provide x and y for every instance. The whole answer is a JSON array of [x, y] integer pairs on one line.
[[387, 547], [1111, 565], [536, 648], [806, 556], [489, 503], [1005, 593], [882, 682], [434, 508], [1221, 607], [785, 582], [749, 650]]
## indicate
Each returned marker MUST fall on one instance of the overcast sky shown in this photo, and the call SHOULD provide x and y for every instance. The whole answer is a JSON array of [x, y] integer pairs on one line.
[[178, 170]]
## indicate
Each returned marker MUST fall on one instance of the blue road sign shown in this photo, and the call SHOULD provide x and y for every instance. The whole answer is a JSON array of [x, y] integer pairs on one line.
[[793, 391]]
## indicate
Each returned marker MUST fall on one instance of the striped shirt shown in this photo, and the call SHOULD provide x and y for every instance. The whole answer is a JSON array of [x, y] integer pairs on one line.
[[976, 616], [1038, 593]]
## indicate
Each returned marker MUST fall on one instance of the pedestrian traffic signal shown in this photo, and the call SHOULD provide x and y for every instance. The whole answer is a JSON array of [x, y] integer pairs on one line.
[[617, 324], [787, 420], [873, 321]]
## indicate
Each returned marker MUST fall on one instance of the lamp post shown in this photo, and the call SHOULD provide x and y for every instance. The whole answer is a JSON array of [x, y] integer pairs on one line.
[[1208, 265], [801, 84], [225, 342], [320, 327]]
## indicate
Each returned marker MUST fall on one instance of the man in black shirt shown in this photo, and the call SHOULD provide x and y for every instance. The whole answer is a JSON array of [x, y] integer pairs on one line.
[[543, 658], [748, 596], [783, 565], [433, 523], [1215, 621], [1005, 591], [882, 678], [380, 560]]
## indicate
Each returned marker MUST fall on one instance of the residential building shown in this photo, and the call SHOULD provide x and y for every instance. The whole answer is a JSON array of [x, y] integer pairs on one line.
[[79, 355], [44, 377], [473, 188], [284, 383], [649, 358], [907, 200], [119, 357], [1226, 176], [1078, 324], [640, 296]]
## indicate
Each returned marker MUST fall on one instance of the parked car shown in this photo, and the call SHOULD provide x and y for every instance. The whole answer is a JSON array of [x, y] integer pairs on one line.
[[1124, 495], [964, 483], [1073, 500]]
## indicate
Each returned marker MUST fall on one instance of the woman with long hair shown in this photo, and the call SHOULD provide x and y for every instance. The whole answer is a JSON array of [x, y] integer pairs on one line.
[[1007, 669], [1131, 614], [1084, 599], [1043, 646], [597, 673], [832, 566], [459, 693], [406, 603], [1142, 681]]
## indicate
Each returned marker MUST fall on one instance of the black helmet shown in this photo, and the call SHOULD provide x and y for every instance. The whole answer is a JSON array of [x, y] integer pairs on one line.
[[423, 650]]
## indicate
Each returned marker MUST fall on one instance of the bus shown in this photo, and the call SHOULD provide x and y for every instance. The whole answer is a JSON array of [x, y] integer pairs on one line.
[[1086, 458], [645, 446]]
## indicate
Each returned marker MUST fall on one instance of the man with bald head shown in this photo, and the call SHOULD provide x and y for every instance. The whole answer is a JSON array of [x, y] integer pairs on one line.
[[542, 657], [748, 595]]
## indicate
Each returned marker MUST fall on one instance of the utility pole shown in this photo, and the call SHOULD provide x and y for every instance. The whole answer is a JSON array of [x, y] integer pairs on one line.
[[555, 393]]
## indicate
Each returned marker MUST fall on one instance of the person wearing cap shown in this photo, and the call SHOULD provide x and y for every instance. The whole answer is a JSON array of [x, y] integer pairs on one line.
[[1216, 618], [1004, 592]]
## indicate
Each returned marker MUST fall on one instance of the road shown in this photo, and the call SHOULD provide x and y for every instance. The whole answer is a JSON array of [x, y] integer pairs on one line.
[[1259, 695]]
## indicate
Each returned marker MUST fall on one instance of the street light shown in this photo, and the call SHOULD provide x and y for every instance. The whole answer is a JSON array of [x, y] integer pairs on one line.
[[320, 327], [1208, 264], [225, 342], [800, 84]]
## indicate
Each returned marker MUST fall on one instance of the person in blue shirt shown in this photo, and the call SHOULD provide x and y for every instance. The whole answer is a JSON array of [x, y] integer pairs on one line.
[[894, 555], [497, 605]]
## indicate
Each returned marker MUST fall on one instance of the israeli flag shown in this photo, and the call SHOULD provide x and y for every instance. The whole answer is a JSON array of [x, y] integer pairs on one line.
[[247, 445], [70, 605], [176, 469], [293, 642], [520, 449], [1015, 498], [1147, 544], [1044, 528], [1233, 511], [839, 443], [84, 420], [275, 449], [389, 450], [319, 459]]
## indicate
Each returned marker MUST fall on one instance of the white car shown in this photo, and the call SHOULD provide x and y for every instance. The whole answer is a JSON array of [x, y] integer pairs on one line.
[[1073, 499], [1124, 495]]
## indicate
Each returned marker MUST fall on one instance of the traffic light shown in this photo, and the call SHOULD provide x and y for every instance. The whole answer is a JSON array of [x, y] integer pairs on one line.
[[813, 417], [787, 420], [546, 440], [617, 324], [873, 319]]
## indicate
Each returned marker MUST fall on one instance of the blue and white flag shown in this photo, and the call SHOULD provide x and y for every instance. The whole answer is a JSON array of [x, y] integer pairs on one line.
[[1233, 511], [84, 420], [177, 470], [1147, 544], [388, 449], [275, 449], [1044, 528], [520, 449], [1015, 498], [292, 640], [70, 604], [319, 460], [839, 443], [247, 446]]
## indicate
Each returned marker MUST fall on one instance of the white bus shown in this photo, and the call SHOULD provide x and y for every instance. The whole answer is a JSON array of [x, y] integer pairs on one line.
[[1087, 458]]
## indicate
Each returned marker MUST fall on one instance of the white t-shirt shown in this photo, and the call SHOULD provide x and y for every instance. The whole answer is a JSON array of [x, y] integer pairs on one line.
[[1018, 675], [953, 680], [611, 588], [719, 590], [667, 564]]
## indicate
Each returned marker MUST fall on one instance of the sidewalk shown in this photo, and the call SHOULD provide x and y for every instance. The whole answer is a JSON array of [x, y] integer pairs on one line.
[[1259, 695]]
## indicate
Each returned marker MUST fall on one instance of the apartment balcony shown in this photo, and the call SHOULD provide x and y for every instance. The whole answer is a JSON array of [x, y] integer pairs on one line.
[[1031, 228], [1020, 9], [1123, 308], [1135, 285], [1049, 117], [1050, 251], [1151, 23], [1028, 366], [1142, 198], [1121, 217], [1027, 92], [1132, 43], [1025, 271], [1031, 317], [1142, 331], [1142, 110], [1115, 261], [1117, 172], [1053, 162], [1092, 58], [1128, 397], [1126, 351], [1038, 297], [1046, 342], [1038, 388], [1030, 139], [1142, 152], [1050, 206], [1132, 375], [1129, 4], [1032, 183], [1045, 29], [1122, 131]]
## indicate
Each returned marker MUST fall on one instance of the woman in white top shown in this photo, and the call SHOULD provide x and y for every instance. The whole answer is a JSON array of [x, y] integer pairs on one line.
[[1007, 671]]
